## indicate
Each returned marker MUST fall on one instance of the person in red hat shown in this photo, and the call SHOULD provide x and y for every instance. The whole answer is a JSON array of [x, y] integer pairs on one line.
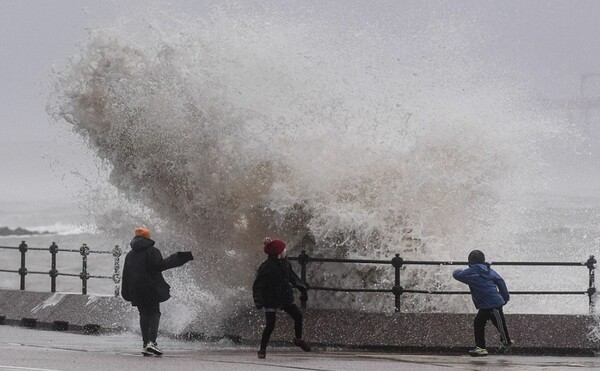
[[272, 290], [144, 285]]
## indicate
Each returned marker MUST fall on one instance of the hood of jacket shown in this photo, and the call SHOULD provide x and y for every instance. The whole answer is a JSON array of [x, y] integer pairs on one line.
[[140, 243], [482, 268]]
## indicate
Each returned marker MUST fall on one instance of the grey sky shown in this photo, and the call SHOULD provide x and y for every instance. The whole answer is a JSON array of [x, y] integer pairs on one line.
[[554, 41], [33, 36]]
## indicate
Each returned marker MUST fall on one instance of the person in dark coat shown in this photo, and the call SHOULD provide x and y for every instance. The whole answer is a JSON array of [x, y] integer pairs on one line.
[[489, 294], [144, 285], [272, 290]]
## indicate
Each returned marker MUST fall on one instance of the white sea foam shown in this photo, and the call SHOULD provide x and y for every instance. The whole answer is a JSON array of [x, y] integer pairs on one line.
[[50, 302], [64, 229]]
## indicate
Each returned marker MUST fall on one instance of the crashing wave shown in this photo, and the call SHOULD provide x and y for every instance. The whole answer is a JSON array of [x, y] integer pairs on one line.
[[346, 144]]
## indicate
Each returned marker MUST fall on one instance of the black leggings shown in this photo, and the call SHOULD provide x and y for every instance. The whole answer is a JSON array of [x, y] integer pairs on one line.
[[149, 320], [293, 311], [497, 317]]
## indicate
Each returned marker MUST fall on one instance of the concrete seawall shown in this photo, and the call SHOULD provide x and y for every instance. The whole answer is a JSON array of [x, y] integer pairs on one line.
[[21, 307], [403, 332]]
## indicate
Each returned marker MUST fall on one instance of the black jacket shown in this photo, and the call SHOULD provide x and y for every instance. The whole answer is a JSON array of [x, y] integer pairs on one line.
[[272, 287], [143, 281]]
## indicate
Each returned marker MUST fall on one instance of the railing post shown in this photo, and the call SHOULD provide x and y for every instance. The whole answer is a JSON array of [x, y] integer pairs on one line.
[[53, 272], [84, 250], [397, 290], [591, 291], [303, 260], [23, 270], [116, 276]]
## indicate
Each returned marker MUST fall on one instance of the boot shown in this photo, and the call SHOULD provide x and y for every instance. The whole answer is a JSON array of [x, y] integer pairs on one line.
[[302, 344]]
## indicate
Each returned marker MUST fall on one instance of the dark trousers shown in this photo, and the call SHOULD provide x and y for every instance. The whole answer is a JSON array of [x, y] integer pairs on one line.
[[149, 320], [497, 317], [271, 317]]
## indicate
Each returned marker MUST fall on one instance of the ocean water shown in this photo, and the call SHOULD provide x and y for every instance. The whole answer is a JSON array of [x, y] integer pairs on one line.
[[346, 138]]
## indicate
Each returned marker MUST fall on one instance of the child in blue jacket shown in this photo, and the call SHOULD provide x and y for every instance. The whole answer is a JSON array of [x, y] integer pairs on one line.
[[490, 294]]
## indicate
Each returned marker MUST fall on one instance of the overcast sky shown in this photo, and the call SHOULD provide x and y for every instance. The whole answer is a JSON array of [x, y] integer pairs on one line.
[[556, 41]]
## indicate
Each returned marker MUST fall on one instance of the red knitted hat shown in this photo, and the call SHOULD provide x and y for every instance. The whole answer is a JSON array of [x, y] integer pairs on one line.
[[274, 247]]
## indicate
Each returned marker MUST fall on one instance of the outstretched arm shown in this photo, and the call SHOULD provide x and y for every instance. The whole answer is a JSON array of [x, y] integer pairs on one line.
[[172, 261], [464, 275], [297, 281]]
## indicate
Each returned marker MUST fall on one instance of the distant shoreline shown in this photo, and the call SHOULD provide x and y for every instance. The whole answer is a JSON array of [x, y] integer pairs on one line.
[[5, 231]]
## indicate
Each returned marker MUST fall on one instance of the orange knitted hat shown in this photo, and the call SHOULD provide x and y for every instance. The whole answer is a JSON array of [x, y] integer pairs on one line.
[[143, 231]]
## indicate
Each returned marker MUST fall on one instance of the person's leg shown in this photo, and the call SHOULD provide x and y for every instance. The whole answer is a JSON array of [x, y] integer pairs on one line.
[[153, 321], [144, 323], [269, 327], [149, 319], [499, 321], [479, 327], [293, 311]]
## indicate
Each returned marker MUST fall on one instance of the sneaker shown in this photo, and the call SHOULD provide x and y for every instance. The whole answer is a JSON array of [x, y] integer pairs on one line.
[[302, 344], [146, 352], [153, 348], [478, 352], [262, 354], [504, 349]]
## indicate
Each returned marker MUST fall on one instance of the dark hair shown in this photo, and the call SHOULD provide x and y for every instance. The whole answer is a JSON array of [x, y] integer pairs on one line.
[[476, 257]]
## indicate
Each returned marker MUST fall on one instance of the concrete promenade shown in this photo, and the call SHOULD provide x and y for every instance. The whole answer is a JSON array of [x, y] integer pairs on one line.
[[38, 350], [432, 333]]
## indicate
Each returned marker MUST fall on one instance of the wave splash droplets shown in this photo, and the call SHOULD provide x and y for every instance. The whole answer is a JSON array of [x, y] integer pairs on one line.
[[357, 145]]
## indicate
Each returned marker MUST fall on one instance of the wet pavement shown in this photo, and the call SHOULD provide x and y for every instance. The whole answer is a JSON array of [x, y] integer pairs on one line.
[[38, 350]]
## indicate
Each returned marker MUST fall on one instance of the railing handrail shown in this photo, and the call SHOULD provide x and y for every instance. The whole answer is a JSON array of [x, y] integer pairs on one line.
[[435, 262], [397, 262], [84, 275], [58, 249]]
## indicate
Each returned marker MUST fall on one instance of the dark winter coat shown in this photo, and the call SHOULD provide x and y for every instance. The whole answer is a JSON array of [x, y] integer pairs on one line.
[[272, 287], [143, 281], [488, 289]]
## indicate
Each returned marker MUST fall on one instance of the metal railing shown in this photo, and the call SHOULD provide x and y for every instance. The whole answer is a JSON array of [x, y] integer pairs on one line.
[[397, 290], [84, 275]]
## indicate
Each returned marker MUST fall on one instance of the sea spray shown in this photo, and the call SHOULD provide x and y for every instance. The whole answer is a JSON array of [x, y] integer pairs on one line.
[[339, 138]]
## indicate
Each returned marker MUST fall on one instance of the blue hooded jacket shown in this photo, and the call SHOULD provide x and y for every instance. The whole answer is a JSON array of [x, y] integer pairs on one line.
[[488, 289]]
